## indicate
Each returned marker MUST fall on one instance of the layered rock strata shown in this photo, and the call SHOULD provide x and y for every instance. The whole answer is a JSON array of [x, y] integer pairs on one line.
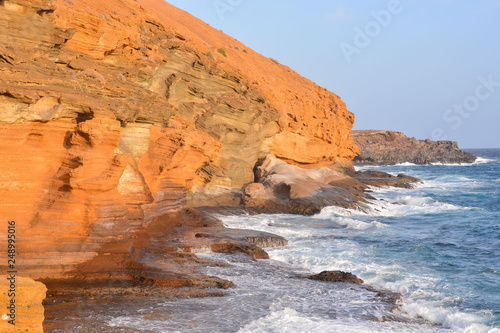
[[389, 147], [116, 115]]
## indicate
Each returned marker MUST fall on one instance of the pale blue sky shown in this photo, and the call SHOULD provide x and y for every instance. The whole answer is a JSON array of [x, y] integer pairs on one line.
[[428, 68]]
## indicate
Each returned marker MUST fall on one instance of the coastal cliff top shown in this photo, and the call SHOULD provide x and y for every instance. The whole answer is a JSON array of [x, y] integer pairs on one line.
[[139, 37]]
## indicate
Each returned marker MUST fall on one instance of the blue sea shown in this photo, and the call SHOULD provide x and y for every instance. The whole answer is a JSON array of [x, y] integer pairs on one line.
[[437, 244]]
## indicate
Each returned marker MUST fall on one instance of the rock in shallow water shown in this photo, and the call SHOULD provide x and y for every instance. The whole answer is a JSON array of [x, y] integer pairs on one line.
[[336, 276]]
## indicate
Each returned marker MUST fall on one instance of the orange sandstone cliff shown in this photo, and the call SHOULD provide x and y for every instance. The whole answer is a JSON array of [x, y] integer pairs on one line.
[[115, 115]]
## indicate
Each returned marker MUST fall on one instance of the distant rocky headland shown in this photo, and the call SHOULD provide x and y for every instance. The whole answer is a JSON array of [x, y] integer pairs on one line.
[[389, 147]]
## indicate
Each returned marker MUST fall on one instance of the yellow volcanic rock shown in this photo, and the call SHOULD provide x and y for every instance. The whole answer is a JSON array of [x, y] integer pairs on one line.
[[28, 313]]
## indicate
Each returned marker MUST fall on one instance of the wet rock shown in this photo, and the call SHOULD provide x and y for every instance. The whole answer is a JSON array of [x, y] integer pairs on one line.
[[386, 296], [266, 241], [336, 276], [259, 238], [378, 179], [232, 248], [230, 241]]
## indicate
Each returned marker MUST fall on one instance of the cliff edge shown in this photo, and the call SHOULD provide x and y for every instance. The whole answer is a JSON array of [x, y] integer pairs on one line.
[[389, 147]]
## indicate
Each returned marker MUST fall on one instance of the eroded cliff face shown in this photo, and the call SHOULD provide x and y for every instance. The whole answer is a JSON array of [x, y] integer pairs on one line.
[[115, 114]]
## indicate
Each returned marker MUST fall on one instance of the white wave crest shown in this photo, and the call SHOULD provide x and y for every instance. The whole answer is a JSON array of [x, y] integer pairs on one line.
[[358, 225], [421, 297], [405, 164], [290, 320], [402, 206], [482, 160], [479, 160], [456, 320]]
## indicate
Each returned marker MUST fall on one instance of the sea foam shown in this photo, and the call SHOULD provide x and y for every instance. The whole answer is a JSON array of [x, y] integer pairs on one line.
[[290, 320]]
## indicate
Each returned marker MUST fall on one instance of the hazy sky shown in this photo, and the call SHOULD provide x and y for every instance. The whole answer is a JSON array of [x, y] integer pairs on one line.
[[428, 68]]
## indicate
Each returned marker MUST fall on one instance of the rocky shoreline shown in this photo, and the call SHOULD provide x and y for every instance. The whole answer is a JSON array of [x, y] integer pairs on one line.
[[390, 147], [160, 259]]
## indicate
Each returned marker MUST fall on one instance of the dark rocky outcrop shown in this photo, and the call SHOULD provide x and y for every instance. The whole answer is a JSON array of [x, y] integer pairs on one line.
[[336, 276], [378, 179], [389, 147]]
